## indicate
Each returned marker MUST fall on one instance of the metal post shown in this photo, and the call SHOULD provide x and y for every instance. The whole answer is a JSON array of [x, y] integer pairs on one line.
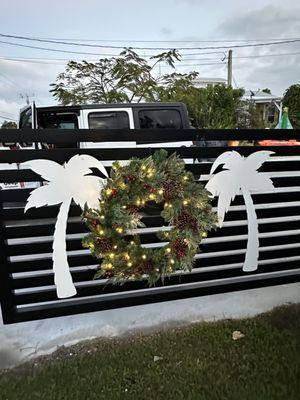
[[229, 69]]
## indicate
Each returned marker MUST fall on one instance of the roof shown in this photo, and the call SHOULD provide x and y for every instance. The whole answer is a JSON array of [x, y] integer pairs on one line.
[[111, 105], [208, 81], [260, 97]]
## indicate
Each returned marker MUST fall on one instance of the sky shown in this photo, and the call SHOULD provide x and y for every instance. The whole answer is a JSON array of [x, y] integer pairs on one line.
[[159, 23]]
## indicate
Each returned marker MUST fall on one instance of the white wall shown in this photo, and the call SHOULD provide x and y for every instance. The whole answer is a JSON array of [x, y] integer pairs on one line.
[[20, 342]]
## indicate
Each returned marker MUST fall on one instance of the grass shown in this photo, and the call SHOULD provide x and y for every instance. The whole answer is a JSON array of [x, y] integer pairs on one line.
[[199, 362]]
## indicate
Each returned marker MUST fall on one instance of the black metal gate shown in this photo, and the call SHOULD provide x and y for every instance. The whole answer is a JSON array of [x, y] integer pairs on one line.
[[26, 279]]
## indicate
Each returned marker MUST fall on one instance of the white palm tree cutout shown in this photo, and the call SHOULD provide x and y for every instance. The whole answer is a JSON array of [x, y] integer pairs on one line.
[[240, 175], [65, 182]]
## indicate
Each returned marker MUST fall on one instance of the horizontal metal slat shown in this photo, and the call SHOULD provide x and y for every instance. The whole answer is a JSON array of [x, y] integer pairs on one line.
[[34, 280], [165, 293], [60, 155], [142, 135]]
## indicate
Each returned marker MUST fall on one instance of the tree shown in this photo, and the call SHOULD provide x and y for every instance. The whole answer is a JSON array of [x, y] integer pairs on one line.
[[66, 182], [8, 125], [215, 106], [126, 78], [131, 78], [291, 100], [240, 175]]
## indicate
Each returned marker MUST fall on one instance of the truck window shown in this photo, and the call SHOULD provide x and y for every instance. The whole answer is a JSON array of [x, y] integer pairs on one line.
[[109, 120], [157, 119], [26, 119], [57, 120]]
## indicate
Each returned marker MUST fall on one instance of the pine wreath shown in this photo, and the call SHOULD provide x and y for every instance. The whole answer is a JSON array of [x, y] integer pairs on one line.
[[186, 211]]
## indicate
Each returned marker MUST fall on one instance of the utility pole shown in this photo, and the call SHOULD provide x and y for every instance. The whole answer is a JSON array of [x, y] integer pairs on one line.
[[26, 97], [229, 69]]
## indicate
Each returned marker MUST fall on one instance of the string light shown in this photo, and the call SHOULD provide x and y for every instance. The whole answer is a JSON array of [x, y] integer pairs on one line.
[[168, 250], [132, 243], [115, 246], [108, 191], [143, 167], [144, 256], [152, 196], [129, 264], [204, 234], [108, 266], [112, 255], [101, 232], [172, 261], [185, 202], [185, 178], [102, 217], [119, 230], [124, 207], [160, 191]]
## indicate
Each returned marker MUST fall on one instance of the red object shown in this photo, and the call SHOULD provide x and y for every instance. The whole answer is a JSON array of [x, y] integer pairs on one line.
[[292, 142]]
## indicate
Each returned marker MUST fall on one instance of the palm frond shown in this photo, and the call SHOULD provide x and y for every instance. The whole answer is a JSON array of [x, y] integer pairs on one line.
[[89, 189], [49, 170], [255, 160], [83, 163], [226, 187], [42, 196], [259, 182]]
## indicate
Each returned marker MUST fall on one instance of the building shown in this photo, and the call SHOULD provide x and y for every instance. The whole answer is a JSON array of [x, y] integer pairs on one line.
[[267, 104], [203, 82]]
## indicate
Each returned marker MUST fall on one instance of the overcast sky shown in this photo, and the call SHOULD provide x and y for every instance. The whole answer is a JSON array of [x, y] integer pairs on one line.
[[189, 21]]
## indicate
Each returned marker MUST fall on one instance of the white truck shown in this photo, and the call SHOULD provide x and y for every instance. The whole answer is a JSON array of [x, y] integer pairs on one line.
[[101, 116]]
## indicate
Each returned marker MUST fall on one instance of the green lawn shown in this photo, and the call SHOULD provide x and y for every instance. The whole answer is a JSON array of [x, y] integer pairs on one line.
[[199, 362]]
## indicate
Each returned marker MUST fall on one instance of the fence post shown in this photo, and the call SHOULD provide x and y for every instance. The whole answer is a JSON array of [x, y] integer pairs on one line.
[[6, 296]]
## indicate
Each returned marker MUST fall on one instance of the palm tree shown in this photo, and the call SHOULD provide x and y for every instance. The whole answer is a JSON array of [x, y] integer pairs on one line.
[[240, 175], [65, 182]]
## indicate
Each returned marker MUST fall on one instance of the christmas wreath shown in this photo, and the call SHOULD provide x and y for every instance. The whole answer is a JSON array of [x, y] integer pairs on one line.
[[161, 181]]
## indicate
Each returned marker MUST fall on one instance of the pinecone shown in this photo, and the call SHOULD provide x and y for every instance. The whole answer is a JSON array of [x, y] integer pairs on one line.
[[146, 267], [179, 247], [186, 220], [132, 209], [130, 178], [114, 192], [171, 189], [105, 245], [95, 223]]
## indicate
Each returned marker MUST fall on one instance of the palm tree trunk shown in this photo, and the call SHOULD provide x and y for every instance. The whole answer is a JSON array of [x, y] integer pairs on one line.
[[62, 277], [251, 259]]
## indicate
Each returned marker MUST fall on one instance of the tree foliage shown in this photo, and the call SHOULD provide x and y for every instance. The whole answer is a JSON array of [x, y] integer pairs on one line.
[[8, 125], [291, 100], [215, 106], [131, 78], [126, 78]]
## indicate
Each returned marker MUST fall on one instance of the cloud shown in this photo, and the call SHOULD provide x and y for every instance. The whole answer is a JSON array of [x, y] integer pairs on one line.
[[25, 77], [267, 22], [166, 31], [21, 78], [270, 22]]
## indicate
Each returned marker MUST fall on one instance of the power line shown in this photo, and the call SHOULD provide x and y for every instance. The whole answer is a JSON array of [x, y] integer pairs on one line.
[[10, 119], [94, 54], [167, 41], [61, 61], [147, 48], [9, 80]]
